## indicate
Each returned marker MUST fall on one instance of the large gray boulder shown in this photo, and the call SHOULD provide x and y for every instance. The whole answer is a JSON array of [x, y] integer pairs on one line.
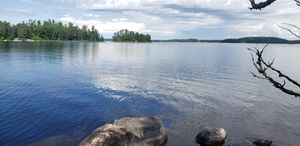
[[144, 131], [211, 137]]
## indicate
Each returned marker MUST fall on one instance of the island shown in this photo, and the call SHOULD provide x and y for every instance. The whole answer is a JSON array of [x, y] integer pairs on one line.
[[258, 40], [272, 40], [125, 35], [47, 30]]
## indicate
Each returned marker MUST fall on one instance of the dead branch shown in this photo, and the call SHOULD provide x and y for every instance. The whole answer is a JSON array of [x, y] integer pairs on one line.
[[295, 26], [262, 66], [289, 30], [261, 5], [297, 2]]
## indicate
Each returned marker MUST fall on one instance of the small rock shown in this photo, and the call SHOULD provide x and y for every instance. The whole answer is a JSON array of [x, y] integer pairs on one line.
[[262, 142], [145, 131], [211, 137]]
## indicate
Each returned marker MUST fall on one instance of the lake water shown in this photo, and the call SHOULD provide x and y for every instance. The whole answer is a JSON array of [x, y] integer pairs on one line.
[[56, 93]]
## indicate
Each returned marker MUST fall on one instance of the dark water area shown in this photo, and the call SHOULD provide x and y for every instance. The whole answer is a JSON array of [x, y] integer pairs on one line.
[[56, 93]]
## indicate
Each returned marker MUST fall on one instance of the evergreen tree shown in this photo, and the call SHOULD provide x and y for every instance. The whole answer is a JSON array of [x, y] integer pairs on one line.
[[125, 35], [47, 30]]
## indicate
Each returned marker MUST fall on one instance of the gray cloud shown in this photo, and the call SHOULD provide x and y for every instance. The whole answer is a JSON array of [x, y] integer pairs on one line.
[[210, 11]]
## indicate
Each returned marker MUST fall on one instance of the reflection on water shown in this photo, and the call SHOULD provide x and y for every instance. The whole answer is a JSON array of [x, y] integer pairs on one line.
[[58, 92]]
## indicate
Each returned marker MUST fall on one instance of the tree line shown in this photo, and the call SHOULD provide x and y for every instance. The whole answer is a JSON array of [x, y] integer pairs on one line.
[[47, 30], [130, 36]]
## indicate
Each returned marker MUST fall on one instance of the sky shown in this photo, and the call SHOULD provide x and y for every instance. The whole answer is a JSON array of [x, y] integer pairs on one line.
[[162, 19]]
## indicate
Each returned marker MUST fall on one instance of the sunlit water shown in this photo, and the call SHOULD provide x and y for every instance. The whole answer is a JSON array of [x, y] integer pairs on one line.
[[56, 93]]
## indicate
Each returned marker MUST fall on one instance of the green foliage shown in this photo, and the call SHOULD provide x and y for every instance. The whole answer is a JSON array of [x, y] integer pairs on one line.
[[5, 30], [130, 36], [47, 30], [35, 37]]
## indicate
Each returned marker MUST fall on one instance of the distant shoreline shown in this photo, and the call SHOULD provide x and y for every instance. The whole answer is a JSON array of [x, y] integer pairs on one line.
[[30, 40], [256, 40]]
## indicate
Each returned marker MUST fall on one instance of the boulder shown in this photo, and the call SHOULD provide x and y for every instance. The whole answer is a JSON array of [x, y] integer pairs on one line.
[[144, 131], [211, 137], [261, 142]]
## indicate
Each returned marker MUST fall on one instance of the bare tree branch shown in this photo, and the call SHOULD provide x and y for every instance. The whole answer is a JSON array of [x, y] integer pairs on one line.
[[261, 5], [280, 74], [295, 26], [290, 31], [262, 67], [297, 2]]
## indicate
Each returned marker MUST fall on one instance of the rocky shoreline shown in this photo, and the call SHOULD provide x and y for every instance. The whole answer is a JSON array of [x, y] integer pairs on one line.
[[149, 131], [144, 131]]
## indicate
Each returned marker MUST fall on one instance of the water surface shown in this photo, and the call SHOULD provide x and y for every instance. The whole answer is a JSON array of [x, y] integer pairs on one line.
[[56, 93]]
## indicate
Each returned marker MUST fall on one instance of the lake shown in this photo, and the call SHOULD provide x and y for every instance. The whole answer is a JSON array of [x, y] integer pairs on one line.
[[57, 93]]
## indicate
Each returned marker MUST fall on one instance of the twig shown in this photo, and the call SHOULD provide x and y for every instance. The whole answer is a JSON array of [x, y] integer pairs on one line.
[[262, 67], [290, 31], [295, 26]]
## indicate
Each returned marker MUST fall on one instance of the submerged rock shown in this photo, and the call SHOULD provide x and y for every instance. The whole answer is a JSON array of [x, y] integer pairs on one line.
[[211, 137], [262, 142], [145, 131]]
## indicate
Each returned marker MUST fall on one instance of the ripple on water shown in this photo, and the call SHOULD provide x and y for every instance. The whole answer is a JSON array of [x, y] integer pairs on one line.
[[53, 93]]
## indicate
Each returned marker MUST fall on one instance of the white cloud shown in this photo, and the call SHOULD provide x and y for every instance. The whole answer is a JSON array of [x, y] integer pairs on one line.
[[16, 11], [135, 4], [28, 1], [91, 15], [110, 26]]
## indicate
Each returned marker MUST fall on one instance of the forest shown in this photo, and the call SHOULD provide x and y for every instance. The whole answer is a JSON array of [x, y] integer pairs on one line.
[[47, 30]]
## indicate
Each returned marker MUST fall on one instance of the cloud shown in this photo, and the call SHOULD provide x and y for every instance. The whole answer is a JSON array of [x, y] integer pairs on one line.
[[109, 26], [91, 15], [160, 20], [16, 12], [28, 1], [180, 16], [164, 19], [135, 4]]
